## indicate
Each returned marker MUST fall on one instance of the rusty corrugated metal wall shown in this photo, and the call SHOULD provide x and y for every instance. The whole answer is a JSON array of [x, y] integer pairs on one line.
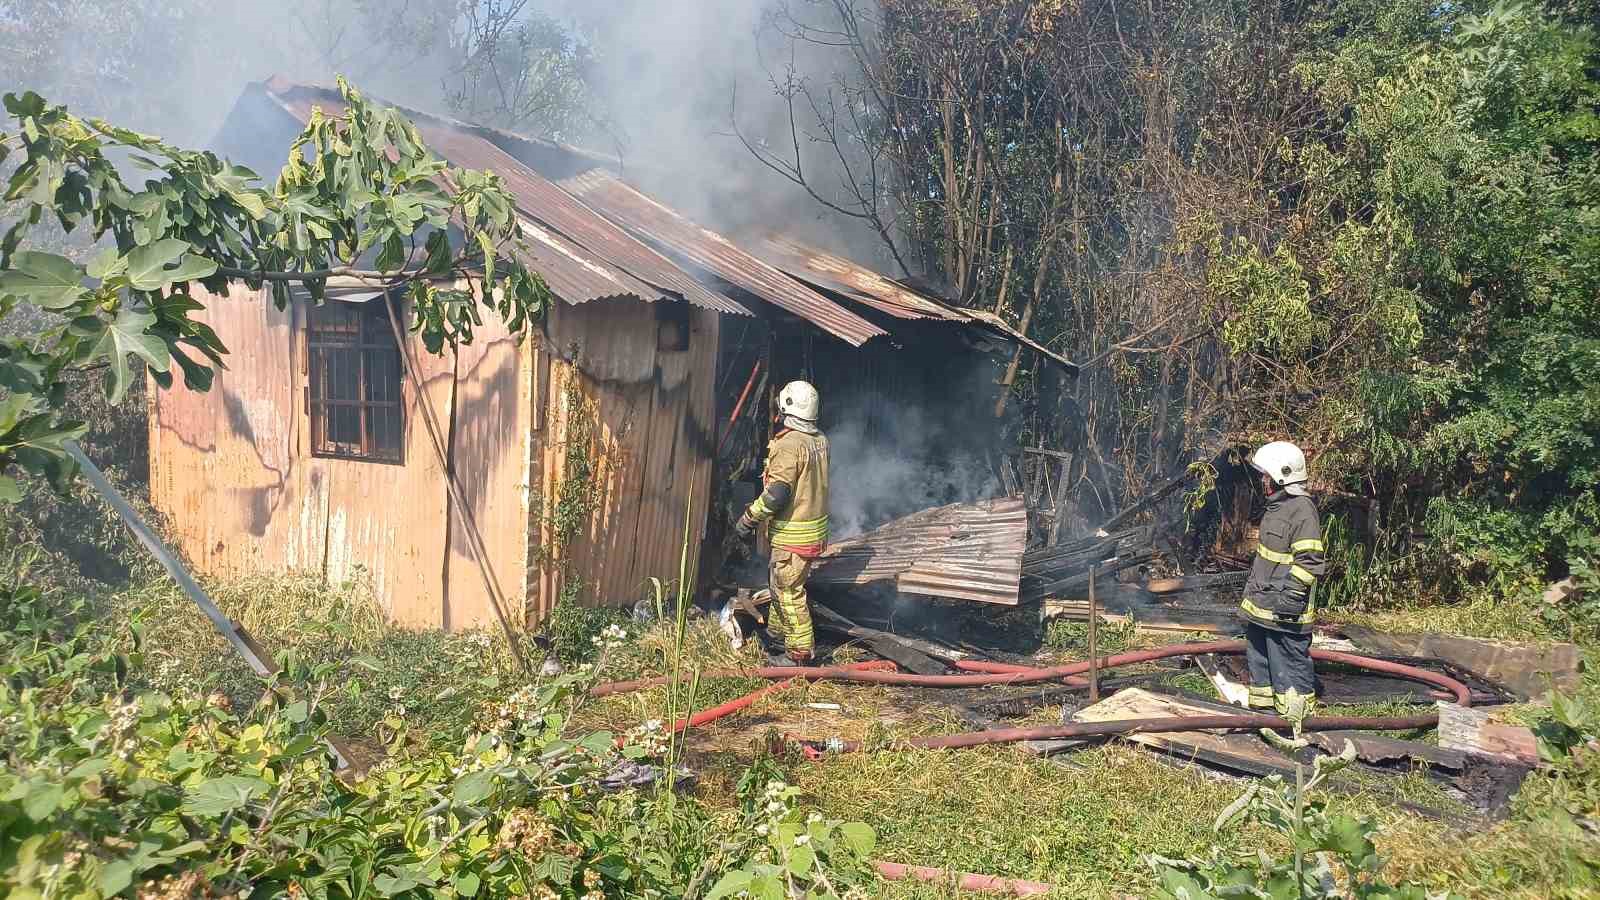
[[233, 471], [641, 417]]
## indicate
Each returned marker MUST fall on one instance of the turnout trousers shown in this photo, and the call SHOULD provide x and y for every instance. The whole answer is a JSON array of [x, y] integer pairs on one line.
[[1280, 663], [790, 615]]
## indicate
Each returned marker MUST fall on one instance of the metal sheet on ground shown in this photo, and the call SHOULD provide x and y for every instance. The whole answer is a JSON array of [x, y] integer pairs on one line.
[[1242, 752], [966, 551]]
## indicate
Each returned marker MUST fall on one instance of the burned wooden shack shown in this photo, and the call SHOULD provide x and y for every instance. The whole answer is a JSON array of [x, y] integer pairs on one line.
[[570, 466]]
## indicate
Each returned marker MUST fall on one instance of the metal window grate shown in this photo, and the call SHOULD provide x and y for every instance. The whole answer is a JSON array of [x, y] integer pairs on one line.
[[354, 397]]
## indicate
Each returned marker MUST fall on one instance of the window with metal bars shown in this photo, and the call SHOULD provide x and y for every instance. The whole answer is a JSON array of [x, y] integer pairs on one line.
[[354, 396]]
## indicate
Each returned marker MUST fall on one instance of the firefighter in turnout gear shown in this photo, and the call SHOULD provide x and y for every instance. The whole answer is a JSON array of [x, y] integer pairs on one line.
[[793, 509], [1280, 597]]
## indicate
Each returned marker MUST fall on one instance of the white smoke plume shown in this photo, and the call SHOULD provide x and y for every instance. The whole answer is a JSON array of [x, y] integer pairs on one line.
[[663, 75]]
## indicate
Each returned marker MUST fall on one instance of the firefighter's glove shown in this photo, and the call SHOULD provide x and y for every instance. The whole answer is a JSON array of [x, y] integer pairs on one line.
[[746, 528]]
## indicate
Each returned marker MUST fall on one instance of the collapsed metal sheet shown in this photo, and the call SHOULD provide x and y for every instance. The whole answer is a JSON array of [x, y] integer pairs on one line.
[[964, 551], [674, 234]]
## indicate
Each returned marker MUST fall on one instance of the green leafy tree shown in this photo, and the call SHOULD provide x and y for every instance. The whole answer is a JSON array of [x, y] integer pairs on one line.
[[1466, 196], [361, 197]]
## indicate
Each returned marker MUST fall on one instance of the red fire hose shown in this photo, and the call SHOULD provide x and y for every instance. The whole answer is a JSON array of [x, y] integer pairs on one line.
[[980, 665], [1034, 676], [733, 706], [1003, 673], [966, 881]]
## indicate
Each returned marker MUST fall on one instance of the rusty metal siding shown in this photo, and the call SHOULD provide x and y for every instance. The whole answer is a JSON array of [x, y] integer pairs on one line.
[[646, 410], [602, 378], [231, 469], [674, 234]]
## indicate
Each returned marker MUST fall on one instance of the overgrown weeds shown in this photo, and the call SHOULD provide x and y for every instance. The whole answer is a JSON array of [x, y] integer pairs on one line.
[[432, 679], [110, 786]]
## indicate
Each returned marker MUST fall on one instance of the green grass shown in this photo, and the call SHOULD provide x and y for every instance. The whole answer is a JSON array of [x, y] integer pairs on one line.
[[1084, 824], [434, 681], [1482, 616]]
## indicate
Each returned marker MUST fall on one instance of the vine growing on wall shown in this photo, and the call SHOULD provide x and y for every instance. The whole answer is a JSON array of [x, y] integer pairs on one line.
[[564, 508]]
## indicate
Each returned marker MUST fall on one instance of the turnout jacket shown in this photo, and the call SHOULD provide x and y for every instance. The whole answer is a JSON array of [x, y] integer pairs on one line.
[[1281, 592], [794, 501]]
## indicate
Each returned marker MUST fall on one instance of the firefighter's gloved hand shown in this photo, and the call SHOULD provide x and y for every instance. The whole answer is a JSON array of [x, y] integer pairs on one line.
[[746, 528]]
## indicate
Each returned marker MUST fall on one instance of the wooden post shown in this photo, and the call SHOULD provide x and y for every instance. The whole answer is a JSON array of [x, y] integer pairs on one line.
[[1094, 640]]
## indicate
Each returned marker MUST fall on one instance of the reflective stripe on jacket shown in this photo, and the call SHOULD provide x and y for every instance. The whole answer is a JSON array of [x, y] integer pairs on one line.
[[800, 461], [1281, 592]]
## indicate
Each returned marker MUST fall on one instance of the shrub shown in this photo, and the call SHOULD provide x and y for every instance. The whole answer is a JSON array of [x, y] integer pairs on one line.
[[108, 787]]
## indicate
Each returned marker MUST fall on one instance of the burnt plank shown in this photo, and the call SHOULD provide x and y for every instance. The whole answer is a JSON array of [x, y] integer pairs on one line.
[[1528, 669], [1378, 749], [1474, 731], [889, 646]]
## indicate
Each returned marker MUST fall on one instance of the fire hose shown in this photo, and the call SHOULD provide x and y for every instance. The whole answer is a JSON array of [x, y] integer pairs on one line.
[[1004, 673]]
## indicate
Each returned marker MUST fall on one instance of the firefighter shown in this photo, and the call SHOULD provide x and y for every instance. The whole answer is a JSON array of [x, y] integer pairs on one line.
[[793, 508], [1280, 602]]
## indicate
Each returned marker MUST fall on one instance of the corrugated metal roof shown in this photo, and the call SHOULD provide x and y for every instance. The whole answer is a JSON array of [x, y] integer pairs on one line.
[[857, 281], [999, 326], [582, 255], [584, 250], [675, 234], [968, 551]]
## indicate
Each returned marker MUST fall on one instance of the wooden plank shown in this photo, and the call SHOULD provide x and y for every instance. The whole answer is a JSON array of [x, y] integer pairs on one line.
[[1527, 669], [1221, 581], [1009, 479], [1377, 749], [1242, 752], [1474, 731]]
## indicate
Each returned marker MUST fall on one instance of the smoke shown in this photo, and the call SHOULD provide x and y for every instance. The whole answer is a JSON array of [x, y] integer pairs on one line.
[[663, 75], [895, 454], [870, 483], [680, 76]]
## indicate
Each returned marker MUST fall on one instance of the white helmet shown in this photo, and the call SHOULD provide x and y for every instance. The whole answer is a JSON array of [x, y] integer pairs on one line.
[[799, 399], [1282, 462]]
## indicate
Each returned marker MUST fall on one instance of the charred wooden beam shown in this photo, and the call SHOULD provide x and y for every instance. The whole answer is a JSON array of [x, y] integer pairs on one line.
[[904, 653], [1073, 585], [1217, 583], [1148, 500]]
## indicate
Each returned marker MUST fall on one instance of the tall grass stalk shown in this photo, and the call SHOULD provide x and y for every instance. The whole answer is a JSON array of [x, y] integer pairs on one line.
[[680, 697]]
